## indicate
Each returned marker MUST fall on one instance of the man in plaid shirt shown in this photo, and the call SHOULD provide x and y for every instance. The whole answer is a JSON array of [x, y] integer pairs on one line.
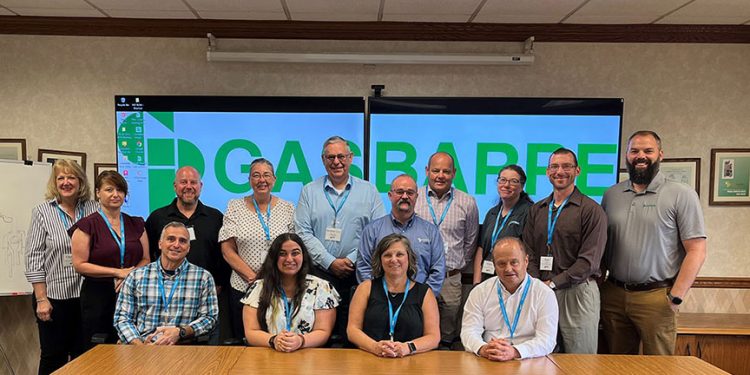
[[169, 300]]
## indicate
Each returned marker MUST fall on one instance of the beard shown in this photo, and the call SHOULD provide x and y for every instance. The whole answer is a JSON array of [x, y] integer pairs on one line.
[[642, 177]]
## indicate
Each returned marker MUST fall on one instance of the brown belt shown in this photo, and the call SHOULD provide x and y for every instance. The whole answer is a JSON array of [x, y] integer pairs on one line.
[[643, 286], [452, 273]]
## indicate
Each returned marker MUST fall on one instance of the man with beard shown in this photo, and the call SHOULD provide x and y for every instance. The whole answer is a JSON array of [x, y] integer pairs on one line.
[[424, 236], [656, 246], [566, 234], [202, 223], [456, 215]]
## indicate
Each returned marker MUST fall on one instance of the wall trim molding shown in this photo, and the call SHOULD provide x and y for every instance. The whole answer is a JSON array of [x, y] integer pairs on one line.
[[722, 282], [416, 31]]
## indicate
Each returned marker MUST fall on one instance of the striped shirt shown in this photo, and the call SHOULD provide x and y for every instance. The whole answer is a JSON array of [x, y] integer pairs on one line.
[[459, 229], [140, 306], [48, 255]]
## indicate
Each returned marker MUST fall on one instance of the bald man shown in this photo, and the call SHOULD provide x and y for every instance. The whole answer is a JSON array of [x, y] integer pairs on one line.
[[202, 222]]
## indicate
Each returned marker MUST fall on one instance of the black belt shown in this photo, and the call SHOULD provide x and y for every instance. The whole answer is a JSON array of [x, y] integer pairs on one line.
[[452, 273], [642, 286]]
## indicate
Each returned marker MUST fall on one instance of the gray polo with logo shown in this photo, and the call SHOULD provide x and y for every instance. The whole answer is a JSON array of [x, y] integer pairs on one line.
[[646, 230]]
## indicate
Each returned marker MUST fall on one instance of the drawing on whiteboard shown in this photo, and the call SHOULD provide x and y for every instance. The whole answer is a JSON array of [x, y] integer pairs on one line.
[[14, 247], [6, 219]]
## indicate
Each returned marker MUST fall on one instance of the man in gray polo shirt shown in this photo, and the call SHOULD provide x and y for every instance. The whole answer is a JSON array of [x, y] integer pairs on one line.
[[656, 246]]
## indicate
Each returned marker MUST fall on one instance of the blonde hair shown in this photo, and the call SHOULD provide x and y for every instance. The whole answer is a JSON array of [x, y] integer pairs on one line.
[[72, 167]]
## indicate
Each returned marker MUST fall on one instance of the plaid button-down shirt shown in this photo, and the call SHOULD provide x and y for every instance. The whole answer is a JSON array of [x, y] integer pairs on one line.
[[140, 306]]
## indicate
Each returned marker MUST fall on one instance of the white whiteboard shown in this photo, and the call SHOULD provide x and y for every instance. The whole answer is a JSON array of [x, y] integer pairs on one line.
[[23, 188]]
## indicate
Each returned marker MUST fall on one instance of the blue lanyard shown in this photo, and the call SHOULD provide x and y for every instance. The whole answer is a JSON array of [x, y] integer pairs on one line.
[[341, 203], [163, 293], [512, 328], [121, 240], [263, 223], [552, 223], [391, 316], [64, 216], [432, 210], [287, 310], [499, 229]]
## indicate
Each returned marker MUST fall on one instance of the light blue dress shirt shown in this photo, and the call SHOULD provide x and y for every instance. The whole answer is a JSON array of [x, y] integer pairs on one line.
[[314, 214], [425, 241]]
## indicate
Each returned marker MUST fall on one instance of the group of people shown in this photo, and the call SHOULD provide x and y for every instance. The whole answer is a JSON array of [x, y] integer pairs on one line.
[[338, 269]]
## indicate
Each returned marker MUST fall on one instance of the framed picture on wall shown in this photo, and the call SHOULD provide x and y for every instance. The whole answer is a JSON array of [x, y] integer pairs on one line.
[[12, 148], [50, 156], [730, 177], [101, 167], [685, 170]]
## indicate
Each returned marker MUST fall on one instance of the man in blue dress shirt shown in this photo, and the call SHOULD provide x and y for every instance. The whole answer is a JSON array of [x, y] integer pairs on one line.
[[331, 213], [424, 236]]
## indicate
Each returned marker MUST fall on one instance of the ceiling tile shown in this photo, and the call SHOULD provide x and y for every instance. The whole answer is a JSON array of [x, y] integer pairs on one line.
[[429, 10], [238, 15], [526, 11], [260, 6], [144, 5], [5, 12], [338, 16], [52, 12], [711, 12], [426, 17], [334, 10], [182, 14], [623, 11], [47, 4]]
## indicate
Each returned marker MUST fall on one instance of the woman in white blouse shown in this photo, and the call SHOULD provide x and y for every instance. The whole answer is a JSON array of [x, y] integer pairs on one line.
[[250, 225], [288, 309]]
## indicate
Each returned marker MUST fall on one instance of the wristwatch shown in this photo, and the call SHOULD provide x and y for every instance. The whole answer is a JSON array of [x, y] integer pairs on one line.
[[272, 342], [183, 332], [412, 347], [673, 299]]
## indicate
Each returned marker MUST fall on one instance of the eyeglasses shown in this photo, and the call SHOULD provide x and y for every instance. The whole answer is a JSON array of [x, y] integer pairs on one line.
[[512, 181], [565, 167], [257, 176], [332, 158], [409, 193]]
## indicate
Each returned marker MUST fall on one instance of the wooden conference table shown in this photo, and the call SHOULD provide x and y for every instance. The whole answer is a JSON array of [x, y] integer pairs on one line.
[[184, 360]]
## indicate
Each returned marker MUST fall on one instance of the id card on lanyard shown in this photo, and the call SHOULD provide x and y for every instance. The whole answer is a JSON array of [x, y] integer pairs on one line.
[[488, 266], [333, 233], [545, 262], [119, 240]]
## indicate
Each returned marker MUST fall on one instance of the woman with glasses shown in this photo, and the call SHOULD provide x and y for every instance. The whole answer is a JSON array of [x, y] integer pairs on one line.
[[504, 220], [250, 225]]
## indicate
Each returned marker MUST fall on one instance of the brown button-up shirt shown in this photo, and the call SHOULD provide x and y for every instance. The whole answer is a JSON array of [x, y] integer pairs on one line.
[[578, 240]]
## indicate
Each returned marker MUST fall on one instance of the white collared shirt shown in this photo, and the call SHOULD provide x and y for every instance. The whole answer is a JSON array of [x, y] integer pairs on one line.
[[536, 331]]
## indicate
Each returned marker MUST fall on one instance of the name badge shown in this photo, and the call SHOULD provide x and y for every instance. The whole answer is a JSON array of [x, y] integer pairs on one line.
[[333, 234], [191, 232], [545, 263], [68, 260], [488, 267]]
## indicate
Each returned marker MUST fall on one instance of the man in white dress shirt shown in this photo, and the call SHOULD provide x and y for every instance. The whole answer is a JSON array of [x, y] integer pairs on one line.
[[512, 315]]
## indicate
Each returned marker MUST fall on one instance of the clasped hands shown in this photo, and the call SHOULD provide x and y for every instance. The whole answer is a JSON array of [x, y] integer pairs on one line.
[[499, 350], [391, 349], [288, 342], [164, 335]]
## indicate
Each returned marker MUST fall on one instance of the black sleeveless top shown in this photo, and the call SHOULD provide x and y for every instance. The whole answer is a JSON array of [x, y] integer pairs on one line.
[[409, 325]]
